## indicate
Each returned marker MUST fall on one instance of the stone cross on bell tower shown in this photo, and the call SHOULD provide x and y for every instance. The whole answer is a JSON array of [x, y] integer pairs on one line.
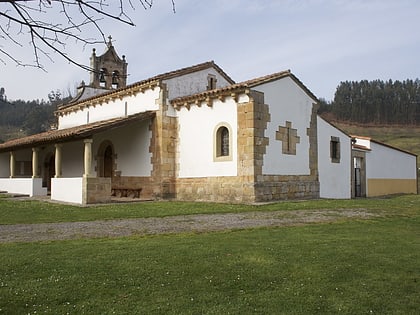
[[109, 71]]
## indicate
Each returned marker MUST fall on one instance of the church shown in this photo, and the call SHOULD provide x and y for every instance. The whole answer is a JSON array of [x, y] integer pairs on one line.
[[195, 134]]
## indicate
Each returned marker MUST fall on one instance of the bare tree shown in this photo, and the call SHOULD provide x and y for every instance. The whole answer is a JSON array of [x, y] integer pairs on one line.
[[31, 22]]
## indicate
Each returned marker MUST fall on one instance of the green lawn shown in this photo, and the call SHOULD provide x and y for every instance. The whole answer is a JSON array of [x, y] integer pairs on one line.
[[32, 211], [348, 267]]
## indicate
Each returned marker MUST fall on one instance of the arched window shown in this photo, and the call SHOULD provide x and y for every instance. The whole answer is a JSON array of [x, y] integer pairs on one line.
[[223, 143]]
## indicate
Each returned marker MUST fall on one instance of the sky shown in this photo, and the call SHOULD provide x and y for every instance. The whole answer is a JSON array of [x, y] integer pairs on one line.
[[323, 42]]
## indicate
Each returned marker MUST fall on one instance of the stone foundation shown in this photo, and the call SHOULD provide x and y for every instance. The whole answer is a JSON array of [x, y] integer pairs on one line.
[[238, 190], [215, 189], [274, 188], [96, 190]]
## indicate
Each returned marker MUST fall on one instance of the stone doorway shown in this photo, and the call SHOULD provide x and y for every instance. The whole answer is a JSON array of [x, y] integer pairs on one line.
[[106, 160]]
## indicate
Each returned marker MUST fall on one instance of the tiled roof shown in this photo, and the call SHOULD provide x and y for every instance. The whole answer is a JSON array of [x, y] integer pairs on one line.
[[191, 69], [71, 134], [157, 78], [242, 86]]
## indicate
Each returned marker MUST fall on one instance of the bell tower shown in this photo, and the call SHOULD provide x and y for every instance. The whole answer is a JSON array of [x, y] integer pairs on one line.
[[109, 71]]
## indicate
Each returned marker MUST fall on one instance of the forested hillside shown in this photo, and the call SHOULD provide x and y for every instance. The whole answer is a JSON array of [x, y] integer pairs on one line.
[[20, 118], [376, 102]]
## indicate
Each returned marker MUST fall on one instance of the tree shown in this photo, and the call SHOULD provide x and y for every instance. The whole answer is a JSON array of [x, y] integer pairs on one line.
[[2, 95], [34, 21]]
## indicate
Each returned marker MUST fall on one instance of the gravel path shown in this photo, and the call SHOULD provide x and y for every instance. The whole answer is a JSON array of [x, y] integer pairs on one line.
[[175, 224]]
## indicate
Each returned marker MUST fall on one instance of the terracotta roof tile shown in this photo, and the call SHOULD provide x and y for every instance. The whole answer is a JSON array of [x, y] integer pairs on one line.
[[74, 133], [157, 78], [242, 86]]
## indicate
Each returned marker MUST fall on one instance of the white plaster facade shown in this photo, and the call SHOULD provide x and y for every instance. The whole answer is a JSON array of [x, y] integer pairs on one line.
[[196, 139], [387, 170], [158, 138], [334, 175], [287, 102]]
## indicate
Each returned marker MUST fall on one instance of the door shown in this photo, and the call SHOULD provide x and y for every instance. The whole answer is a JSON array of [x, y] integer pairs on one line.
[[108, 162], [50, 171]]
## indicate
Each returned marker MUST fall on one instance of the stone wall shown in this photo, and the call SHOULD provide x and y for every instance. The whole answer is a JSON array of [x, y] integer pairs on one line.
[[215, 189], [163, 147], [96, 190], [274, 187]]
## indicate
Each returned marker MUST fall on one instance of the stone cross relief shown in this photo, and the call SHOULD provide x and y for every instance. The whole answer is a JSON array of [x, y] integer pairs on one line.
[[289, 138]]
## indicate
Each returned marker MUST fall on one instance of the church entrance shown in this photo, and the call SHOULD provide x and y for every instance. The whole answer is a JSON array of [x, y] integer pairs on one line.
[[49, 171], [105, 159], [108, 161]]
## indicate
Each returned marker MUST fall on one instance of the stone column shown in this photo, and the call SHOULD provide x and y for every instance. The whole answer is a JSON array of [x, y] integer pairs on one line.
[[88, 158], [12, 164], [35, 152], [58, 160]]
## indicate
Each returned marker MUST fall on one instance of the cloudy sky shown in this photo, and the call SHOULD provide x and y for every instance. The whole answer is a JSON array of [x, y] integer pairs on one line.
[[323, 42]]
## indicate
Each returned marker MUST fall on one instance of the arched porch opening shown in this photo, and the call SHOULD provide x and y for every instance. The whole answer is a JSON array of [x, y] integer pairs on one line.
[[49, 171], [106, 159]]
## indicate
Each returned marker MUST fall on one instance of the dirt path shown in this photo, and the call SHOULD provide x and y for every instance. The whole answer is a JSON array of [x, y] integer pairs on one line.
[[175, 224]]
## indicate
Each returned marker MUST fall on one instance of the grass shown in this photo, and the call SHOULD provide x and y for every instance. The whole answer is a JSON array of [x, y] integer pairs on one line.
[[355, 267], [32, 211]]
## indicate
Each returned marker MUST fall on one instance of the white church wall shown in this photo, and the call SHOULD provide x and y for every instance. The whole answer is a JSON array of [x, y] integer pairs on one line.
[[76, 118], [67, 189], [119, 107], [386, 162], [196, 139], [334, 178], [287, 102], [143, 101], [131, 145], [72, 159], [4, 165], [27, 186]]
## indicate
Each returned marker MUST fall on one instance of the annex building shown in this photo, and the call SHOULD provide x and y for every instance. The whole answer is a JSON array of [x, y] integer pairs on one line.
[[195, 134]]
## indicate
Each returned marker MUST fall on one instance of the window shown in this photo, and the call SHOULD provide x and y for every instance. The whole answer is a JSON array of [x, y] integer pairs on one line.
[[211, 82], [222, 143], [335, 149]]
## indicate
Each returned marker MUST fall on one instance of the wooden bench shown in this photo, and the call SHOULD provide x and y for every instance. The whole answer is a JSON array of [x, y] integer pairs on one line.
[[127, 192]]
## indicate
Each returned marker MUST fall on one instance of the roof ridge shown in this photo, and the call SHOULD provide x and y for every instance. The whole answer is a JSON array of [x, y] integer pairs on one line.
[[266, 78]]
